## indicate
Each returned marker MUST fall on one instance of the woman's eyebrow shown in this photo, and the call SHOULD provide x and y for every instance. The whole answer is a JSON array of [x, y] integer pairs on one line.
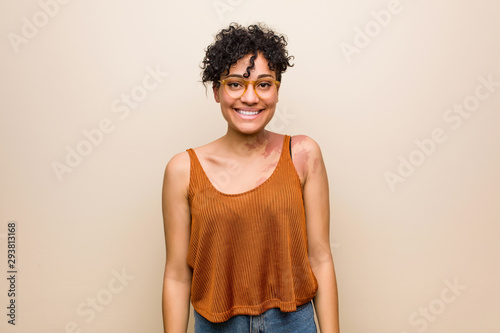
[[235, 75], [241, 76]]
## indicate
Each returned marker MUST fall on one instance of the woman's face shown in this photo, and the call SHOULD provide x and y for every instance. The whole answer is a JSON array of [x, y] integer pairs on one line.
[[248, 114]]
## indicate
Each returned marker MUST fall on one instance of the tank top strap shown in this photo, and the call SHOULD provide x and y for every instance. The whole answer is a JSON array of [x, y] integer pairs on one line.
[[287, 142], [286, 152], [197, 174], [194, 159]]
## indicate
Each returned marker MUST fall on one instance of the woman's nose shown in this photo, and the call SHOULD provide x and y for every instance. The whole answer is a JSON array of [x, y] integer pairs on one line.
[[250, 97]]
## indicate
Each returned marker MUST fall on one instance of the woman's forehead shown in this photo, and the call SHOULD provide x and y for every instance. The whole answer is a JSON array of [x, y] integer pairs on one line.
[[261, 66]]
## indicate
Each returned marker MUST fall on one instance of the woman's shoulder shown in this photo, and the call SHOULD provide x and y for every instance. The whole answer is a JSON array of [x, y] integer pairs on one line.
[[182, 160], [178, 166], [305, 155], [304, 143], [207, 148]]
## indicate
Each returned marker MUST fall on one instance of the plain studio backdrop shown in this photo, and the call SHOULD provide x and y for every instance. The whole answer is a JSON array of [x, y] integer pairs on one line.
[[402, 96]]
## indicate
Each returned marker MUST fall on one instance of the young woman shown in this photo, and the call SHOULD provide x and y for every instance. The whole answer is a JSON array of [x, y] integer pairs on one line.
[[247, 215]]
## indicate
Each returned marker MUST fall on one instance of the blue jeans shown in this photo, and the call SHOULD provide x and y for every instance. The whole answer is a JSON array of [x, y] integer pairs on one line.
[[271, 321]]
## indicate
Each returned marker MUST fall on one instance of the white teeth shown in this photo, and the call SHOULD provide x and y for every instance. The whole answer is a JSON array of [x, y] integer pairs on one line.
[[247, 113]]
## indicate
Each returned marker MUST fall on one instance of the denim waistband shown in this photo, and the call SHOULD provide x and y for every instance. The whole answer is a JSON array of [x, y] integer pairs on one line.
[[273, 320]]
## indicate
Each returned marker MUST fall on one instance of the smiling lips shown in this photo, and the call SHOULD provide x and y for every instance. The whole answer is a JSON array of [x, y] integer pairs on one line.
[[248, 113]]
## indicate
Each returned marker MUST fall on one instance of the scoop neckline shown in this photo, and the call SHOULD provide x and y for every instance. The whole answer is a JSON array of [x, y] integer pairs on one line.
[[252, 189]]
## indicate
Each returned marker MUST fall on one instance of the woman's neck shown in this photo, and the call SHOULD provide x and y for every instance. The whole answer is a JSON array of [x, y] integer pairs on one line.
[[246, 144]]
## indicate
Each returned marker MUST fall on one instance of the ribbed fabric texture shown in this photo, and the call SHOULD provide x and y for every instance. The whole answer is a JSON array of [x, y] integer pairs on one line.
[[248, 251]]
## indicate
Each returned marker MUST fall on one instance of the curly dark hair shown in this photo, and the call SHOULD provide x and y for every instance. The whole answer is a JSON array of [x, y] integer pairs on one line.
[[235, 42]]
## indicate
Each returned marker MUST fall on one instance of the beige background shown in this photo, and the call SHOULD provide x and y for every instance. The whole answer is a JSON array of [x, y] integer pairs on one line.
[[397, 249]]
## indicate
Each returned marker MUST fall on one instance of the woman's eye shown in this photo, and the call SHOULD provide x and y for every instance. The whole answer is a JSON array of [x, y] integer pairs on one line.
[[264, 85], [234, 85]]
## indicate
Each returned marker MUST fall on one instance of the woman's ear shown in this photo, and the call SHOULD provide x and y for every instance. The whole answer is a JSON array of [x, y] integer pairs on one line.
[[216, 93]]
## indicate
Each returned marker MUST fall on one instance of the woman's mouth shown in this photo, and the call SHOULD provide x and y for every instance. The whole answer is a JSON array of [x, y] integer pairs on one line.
[[248, 113]]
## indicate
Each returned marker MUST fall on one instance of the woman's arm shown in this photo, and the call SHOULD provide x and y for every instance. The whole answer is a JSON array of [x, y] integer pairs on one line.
[[177, 224], [317, 207]]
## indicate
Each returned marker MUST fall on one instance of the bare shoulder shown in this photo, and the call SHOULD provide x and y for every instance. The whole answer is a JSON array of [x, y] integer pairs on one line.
[[307, 157], [305, 143], [179, 163], [177, 170]]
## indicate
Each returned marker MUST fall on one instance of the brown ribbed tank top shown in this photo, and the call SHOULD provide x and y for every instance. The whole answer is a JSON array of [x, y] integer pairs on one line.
[[248, 251]]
